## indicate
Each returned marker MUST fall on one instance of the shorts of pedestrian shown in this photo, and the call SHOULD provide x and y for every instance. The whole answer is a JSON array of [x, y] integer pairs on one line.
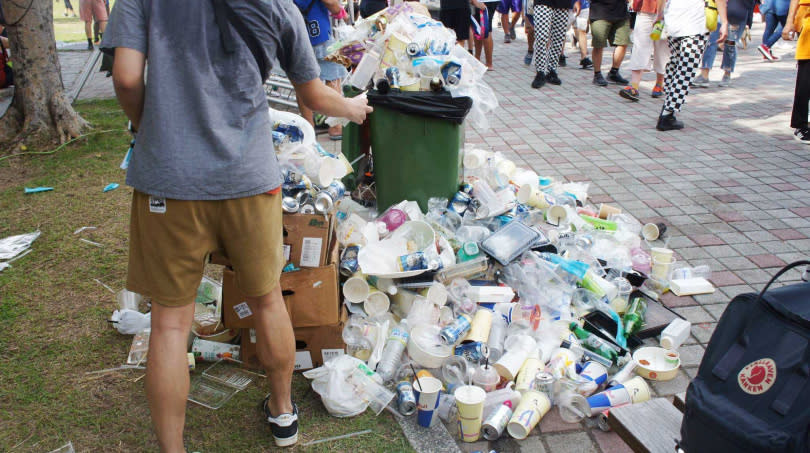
[[582, 20], [506, 5], [170, 241], [617, 33], [458, 20], [90, 10], [644, 47], [329, 70]]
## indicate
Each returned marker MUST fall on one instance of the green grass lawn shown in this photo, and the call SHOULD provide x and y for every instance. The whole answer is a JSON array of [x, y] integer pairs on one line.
[[54, 321]]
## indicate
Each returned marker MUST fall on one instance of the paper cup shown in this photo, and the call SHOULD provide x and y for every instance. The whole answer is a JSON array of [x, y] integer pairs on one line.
[[605, 210], [510, 363], [470, 403], [530, 194], [356, 289], [661, 252], [556, 214], [402, 302], [533, 406], [481, 323], [427, 400], [376, 303], [638, 389], [528, 371], [653, 231]]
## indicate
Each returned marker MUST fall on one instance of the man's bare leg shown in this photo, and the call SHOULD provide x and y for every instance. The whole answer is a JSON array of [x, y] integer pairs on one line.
[[275, 346], [167, 380]]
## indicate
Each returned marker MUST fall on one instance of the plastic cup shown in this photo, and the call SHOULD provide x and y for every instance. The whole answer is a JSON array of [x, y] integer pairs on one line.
[[533, 406], [660, 252], [474, 158], [641, 260], [427, 400], [522, 176], [470, 403], [661, 266], [556, 214], [436, 293], [486, 377]]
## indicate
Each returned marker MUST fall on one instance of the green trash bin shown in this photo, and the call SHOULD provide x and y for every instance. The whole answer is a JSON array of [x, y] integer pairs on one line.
[[416, 156]]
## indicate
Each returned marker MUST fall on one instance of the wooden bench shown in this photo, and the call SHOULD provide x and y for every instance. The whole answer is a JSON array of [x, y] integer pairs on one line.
[[649, 427]]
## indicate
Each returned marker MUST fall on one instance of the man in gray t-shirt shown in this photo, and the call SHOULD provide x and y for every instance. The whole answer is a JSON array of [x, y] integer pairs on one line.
[[206, 177]]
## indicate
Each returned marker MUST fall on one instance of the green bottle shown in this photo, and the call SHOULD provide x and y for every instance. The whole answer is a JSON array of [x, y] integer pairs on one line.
[[594, 343], [634, 317]]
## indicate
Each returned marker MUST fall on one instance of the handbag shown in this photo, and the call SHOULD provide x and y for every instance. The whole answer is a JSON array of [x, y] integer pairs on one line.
[[711, 15]]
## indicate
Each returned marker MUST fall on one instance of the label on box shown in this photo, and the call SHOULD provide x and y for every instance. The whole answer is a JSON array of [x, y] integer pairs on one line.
[[311, 252], [287, 248], [303, 360], [329, 354], [242, 310]]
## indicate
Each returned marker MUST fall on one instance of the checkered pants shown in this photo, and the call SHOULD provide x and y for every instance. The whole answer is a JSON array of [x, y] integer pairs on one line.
[[687, 52], [549, 37]]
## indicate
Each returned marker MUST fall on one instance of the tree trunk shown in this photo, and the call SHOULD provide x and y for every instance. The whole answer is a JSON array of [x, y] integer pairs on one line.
[[41, 112]]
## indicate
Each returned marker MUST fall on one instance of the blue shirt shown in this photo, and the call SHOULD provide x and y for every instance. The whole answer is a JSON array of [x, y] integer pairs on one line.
[[319, 26]]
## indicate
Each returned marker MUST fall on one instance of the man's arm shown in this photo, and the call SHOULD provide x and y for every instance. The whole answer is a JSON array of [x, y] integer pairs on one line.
[[320, 98], [723, 19], [789, 30], [128, 72]]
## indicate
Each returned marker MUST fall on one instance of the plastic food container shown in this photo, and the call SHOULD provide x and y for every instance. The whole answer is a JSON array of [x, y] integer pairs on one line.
[[657, 364]]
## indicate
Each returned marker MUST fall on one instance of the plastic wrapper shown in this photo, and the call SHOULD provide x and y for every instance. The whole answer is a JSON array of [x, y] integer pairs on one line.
[[329, 381]]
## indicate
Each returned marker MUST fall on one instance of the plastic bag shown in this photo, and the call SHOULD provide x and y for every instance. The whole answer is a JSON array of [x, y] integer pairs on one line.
[[424, 104], [329, 381], [14, 245], [484, 102], [130, 322]]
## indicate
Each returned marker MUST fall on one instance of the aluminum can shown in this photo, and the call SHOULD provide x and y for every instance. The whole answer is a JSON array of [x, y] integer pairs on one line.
[[290, 205], [406, 398], [413, 262], [413, 50], [451, 73], [456, 330], [544, 382], [474, 352], [496, 422], [392, 76], [459, 203], [326, 198], [348, 261]]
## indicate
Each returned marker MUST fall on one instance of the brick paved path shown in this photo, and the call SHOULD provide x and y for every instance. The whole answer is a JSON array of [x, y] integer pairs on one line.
[[733, 186]]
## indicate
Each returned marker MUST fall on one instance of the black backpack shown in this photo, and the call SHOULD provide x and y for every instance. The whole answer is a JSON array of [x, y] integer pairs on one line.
[[752, 390]]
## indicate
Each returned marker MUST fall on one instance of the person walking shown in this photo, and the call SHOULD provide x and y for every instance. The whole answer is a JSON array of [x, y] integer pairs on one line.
[[455, 15], [318, 16], [738, 12], [798, 21], [528, 27], [483, 15], [610, 23], [645, 47], [90, 11], [685, 25], [774, 13], [581, 34], [550, 22], [206, 179]]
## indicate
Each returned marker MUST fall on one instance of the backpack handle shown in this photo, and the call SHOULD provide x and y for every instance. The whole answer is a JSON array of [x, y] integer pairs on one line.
[[779, 274]]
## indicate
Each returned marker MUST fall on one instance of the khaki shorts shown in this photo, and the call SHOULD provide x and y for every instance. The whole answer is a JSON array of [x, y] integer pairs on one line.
[[170, 240], [615, 32]]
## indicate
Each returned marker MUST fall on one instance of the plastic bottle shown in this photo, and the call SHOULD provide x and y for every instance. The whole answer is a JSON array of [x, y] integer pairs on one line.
[[594, 343], [634, 318], [390, 220], [657, 29], [675, 333], [497, 335], [392, 353]]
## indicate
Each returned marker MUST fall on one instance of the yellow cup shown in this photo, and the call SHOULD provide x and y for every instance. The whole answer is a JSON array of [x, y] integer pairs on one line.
[[481, 323], [533, 406], [470, 404], [638, 389]]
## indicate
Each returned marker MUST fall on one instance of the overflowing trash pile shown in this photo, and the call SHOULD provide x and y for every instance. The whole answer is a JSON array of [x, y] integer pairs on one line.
[[512, 297], [401, 49]]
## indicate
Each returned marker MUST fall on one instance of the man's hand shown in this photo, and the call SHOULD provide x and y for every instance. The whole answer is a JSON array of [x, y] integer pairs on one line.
[[478, 4], [357, 108], [723, 32], [788, 31]]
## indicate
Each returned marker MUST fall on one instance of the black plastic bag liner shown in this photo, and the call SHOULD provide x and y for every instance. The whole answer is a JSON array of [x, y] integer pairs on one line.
[[442, 106]]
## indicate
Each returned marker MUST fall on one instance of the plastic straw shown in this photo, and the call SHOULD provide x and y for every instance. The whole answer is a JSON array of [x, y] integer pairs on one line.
[[416, 377], [344, 436]]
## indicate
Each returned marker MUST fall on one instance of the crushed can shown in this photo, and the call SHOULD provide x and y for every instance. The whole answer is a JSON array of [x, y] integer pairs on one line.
[[544, 383], [451, 74], [327, 197], [494, 425], [459, 203], [413, 262], [406, 398], [348, 261], [474, 351]]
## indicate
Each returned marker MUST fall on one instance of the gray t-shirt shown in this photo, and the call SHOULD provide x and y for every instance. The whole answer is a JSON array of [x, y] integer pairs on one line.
[[205, 132]]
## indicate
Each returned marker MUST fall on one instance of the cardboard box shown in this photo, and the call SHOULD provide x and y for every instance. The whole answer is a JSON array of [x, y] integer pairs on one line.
[[313, 345], [308, 238], [311, 296]]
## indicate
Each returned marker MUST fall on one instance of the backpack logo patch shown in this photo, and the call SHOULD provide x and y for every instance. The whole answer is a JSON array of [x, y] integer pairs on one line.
[[758, 376]]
